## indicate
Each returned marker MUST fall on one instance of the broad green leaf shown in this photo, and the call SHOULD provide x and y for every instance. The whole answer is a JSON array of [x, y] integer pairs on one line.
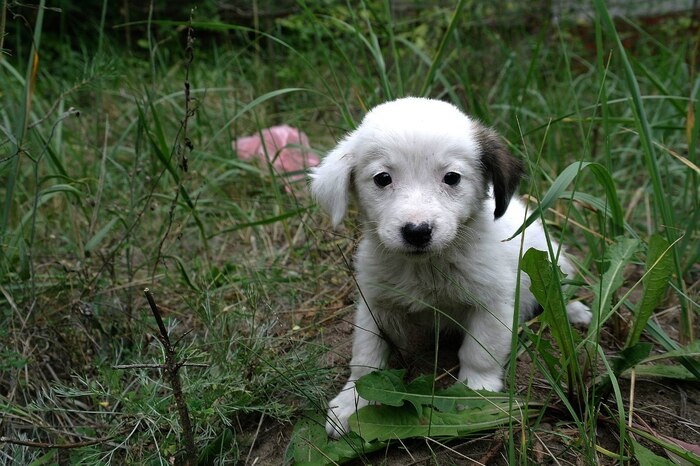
[[417, 409], [659, 268], [661, 337], [310, 445], [692, 351], [665, 371], [625, 360], [545, 284], [681, 450], [646, 457], [630, 357], [388, 388], [617, 255], [382, 423], [100, 235]]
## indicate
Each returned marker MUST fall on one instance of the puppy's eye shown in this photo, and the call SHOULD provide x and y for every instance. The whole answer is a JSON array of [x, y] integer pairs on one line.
[[451, 178], [382, 179]]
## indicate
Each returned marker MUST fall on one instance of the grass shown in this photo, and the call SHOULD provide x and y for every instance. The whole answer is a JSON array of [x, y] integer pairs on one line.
[[252, 283]]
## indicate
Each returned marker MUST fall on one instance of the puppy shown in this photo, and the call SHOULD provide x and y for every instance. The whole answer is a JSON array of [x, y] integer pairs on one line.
[[434, 189]]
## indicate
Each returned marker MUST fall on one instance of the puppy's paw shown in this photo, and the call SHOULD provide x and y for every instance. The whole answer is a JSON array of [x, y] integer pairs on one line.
[[482, 381], [579, 313], [341, 408]]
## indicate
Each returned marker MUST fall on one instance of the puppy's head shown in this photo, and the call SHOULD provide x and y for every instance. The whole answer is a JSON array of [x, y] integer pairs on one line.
[[419, 168]]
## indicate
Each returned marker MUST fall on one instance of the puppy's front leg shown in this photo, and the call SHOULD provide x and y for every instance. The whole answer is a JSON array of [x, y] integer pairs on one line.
[[485, 348], [369, 352]]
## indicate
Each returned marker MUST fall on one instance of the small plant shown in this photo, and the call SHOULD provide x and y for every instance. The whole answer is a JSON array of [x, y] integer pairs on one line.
[[400, 411]]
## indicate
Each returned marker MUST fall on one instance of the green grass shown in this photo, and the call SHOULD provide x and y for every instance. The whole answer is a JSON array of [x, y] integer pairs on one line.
[[251, 281]]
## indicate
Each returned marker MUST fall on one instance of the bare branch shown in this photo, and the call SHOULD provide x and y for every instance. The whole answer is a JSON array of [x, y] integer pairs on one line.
[[171, 368]]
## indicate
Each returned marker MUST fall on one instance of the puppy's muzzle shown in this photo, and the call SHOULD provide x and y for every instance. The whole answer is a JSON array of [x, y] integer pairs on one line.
[[417, 235]]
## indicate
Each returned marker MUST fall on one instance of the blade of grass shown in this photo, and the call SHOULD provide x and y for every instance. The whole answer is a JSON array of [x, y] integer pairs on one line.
[[645, 136], [686, 455], [660, 336], [437, 60], [564, 180], [618, 255], [251, 105], [22, 119], [394, 50], [372, 45]]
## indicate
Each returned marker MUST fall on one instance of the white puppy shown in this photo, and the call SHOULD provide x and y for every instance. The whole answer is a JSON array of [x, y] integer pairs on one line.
[[434, 192]]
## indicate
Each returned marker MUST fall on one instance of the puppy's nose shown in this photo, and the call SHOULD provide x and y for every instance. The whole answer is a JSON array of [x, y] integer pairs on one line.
[[417, 235]]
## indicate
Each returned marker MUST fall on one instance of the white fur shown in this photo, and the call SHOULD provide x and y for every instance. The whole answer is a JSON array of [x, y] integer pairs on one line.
[[462, 271]]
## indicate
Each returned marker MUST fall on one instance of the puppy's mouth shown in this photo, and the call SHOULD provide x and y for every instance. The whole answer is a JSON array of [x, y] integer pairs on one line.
[[418, 253], [413, 253]]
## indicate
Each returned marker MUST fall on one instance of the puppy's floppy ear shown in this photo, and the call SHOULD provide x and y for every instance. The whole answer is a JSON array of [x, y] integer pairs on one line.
[[330, 181], [501, 168]]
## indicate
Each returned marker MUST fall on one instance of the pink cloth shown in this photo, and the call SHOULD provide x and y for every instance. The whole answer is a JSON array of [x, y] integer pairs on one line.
[[285, 147]]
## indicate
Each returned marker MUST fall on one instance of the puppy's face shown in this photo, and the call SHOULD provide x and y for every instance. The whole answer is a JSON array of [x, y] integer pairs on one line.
[[419, 169], [415, 184]]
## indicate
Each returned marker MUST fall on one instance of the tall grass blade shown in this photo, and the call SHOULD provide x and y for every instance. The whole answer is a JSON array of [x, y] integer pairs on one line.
[[558, 191], [162, 152], [660, 336], [651, 161], [250, 106], [101, 234], [618, 256], [437, 60], [22, 119], [685, 456]]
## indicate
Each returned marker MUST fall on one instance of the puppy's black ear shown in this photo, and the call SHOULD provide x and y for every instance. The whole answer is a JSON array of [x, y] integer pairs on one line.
[[500, 167]]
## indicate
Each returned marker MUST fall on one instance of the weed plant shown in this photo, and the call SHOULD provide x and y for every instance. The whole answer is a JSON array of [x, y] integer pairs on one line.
[[255, 288]]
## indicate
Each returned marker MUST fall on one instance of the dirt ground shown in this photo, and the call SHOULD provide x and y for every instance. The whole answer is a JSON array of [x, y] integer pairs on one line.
[[667, 407]]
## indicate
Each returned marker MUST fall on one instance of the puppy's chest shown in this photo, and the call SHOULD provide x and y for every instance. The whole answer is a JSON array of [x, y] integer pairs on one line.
[[421, 287]]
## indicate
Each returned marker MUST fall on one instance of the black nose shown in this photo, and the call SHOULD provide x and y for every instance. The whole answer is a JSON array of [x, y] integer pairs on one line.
[[417, 235]]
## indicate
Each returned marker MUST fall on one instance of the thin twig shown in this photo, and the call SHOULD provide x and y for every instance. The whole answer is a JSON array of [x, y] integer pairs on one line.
[[157, 366], [172, 366], [183, 145], [64, 446], [255, 437]]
